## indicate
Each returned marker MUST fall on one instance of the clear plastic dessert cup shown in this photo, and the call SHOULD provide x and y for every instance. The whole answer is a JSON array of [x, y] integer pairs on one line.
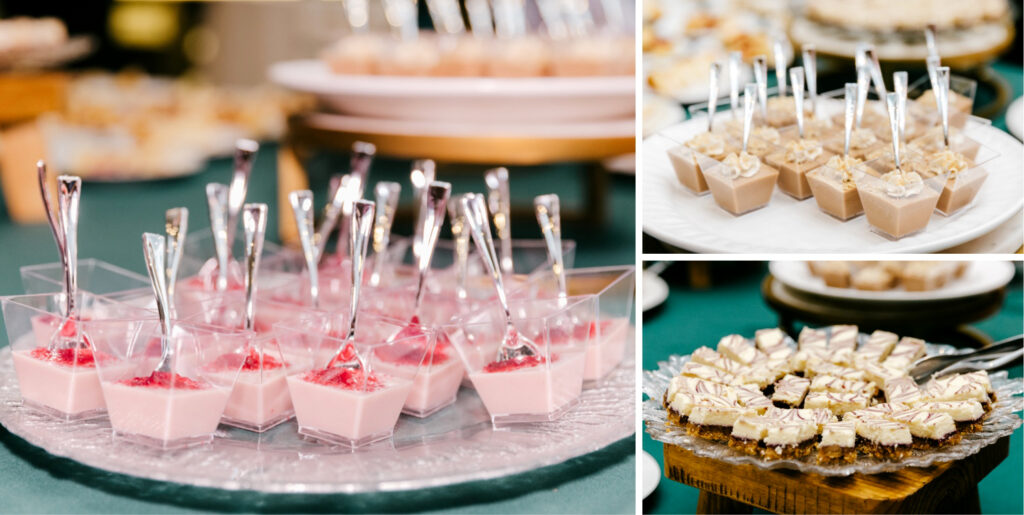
[[175, 405], [612, 288], [794, 159], [835, 189], [736, 193], [94, 276], [353, 402], [527, 388], [56, 358], [962, 92], [688, 165], [895, 214], [965, 177]]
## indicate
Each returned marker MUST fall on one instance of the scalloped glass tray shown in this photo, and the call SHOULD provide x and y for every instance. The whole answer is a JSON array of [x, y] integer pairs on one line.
[[454, 445], [1000, 422]]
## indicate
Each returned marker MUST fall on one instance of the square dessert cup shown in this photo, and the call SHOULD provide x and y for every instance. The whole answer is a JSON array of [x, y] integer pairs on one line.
[[94, 276], [689, 167], [198, 269], [793, 175], [526, 389], [961, 187], [834, 197], [612, 288], [893, 217], [740, 195], [347, 405], [54, 376], [932, 141], [962, 92], [165, 409]]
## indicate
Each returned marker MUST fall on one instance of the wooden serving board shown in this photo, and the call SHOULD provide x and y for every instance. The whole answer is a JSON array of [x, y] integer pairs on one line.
[[950, 487]]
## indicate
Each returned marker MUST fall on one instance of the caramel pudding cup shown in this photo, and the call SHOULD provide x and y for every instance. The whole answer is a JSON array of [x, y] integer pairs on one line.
[[742, 195], [835, 196], [792, 174], [897, 217]]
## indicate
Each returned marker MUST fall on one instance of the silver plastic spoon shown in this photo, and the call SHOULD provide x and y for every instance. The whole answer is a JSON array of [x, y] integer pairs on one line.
[[796, 77], [254, 222], [761, 79], [850, 115], [422, 174], [513, 344], [749, 99], [499, 201], [549, 218], [460, 233], [358, 175], [810, 62], [175, 227], [302, 207], [217, 203], [245, 154], [386, 195], [154, 249], [360, 225]]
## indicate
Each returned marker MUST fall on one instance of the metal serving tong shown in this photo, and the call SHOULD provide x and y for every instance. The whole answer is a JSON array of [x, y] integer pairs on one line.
[[1002, 354]]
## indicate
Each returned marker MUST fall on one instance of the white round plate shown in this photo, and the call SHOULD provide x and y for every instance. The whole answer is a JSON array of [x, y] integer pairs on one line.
[[595, 129], [650, 473], [655, 291], [1015, 118], [979, 277], [676, 216], [468, 99]]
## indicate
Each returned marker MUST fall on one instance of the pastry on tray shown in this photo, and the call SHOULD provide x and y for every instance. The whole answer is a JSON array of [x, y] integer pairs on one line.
[[838, 398]]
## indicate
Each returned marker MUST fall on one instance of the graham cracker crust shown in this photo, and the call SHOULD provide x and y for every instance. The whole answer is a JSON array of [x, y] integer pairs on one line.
[[715, 433], [751, 447], [779, 452], [836, 454], [926, 444], [884, 452]]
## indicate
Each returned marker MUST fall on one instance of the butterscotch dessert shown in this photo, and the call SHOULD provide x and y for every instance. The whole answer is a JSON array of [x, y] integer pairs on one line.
[[862, 142], [798, 158], [689, 159], [897, 204], [834, 186], [832, 396], [741, 183], [963, 181]]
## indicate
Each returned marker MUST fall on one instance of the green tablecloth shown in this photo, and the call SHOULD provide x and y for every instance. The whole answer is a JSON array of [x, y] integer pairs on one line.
[[691, 318], [113, 218]]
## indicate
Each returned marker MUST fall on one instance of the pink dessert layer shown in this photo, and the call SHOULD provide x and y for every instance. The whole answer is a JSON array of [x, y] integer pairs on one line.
[[606, 349], [148, 406], [44, 327], [59, 383], [260, 392], [333, 401], [435, 383], [536, 388]]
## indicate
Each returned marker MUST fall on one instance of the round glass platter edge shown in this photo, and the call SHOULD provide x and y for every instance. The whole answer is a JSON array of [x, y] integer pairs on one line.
[[455, 445]]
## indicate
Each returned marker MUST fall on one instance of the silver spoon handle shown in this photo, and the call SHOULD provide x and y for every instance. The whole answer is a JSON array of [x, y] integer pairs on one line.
[[302, 208], [332, 210], [217, 202], [422, 174], [549, 218], [480, 21], [863, 81], [360, 225], [933, 64], [245, 154], [892, 103], [780, 66], [254, 222], [991, 363], [51, 216], [810, 61], [929, 40], [480, 228], [850, 114], [899, 86], [943, 74], [761, 79], [499, 201], [714, 71], [749, 99], [154, 250], [735, 61], [176, 227], [435, 203], [446, 16], [386, 195], [457, 218], [69, 193], [354, 187], [796, 77], [876, 72]]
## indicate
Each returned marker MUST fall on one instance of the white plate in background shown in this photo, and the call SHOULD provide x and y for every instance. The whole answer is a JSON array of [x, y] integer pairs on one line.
[[650, 473], [979, 277], [1015, 118], [655, 291], [483, 100]]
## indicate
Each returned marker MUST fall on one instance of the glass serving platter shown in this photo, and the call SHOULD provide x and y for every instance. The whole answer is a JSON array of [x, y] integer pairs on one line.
[[454, 445], [999, 422]]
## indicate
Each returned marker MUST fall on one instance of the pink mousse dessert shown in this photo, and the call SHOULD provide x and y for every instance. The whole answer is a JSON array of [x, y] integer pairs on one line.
[[605, 349], [347, 406], [530, 389], [259, 399], [60, 382], [436, 383], [165, 409]]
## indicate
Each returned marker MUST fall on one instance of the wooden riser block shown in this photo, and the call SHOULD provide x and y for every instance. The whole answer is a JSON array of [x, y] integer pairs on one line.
[[910, 490]]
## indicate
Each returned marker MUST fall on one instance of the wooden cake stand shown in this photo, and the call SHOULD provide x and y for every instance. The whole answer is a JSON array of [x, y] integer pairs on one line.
[[950, 487]]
